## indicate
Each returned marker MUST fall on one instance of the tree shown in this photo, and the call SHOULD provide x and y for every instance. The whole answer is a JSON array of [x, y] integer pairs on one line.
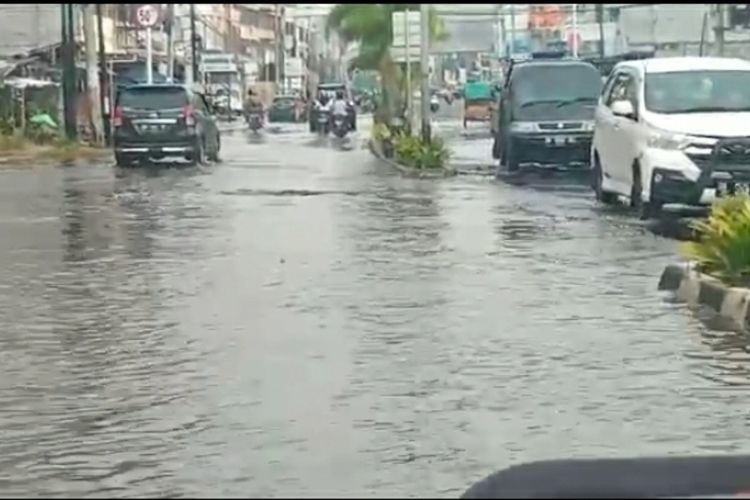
[[371, 26]]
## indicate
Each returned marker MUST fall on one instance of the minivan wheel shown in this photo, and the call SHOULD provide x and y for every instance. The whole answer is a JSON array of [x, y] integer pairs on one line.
[[496, 149], [511, 159], [636, 188], [645, 210], [598, 178]]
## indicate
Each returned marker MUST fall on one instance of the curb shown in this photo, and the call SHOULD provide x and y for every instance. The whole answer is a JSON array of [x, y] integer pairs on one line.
[[696, 288], [409, 171]]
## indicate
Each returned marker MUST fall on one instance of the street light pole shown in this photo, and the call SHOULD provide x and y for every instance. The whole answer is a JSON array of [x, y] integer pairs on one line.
[[193, 46], [407, 54], [103, 77], [68, 62], [424, 67], [575, 31]]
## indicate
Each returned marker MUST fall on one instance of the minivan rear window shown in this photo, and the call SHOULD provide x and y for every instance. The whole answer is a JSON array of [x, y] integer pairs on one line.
[[560, 82], [153, 98]]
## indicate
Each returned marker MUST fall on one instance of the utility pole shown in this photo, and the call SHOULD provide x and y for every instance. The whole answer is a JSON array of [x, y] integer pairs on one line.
[[103, 77], [93, 93], [170, 42], [279, 46], [575, 31], [719, 9], [193, 45], [68, 62], [512, 29], [407, 54], [600, 18], [424, 67]]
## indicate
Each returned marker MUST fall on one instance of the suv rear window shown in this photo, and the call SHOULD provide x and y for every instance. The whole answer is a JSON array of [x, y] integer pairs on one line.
[[154, 98]]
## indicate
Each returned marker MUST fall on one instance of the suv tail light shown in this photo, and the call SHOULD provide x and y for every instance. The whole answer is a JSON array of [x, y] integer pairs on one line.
[[188, 113], [117, 116]]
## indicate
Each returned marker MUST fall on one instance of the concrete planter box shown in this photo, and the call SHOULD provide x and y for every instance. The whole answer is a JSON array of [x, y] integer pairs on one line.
[[377, 149], [696, 288]]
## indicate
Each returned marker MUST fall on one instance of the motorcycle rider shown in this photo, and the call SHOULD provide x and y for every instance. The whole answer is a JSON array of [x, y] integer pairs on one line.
[[340, 107], [252, 104], [321, 104]]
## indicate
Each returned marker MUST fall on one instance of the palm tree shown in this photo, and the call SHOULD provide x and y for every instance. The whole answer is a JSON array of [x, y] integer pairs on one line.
[[371, 26]]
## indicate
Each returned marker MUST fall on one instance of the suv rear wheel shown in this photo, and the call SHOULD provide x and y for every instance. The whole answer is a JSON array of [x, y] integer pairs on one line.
[[199, 155], [214, 155], [124, 160]]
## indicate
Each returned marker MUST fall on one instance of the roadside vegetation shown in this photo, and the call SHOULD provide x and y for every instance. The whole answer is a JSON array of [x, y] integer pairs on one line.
[[371, 26], [722, 248], [41, 140], [410, 150]]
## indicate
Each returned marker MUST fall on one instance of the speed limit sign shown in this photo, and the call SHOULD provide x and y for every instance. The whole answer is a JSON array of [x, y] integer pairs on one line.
[[147, 16]]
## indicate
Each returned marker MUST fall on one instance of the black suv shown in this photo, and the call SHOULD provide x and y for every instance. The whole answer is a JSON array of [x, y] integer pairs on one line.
[[164, 120], [546, 113]]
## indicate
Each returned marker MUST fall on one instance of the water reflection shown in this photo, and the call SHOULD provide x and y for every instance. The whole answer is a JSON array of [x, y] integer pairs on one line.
[[369, 335]]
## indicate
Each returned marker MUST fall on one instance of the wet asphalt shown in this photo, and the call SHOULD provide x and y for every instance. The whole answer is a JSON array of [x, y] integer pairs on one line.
[[300, 320]]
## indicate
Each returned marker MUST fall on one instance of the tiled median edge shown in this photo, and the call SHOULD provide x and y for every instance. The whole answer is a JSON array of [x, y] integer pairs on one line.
[[409, 171], [697, 288]]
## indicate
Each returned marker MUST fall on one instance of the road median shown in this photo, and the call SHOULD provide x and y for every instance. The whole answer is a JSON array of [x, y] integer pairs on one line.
[[376, 147], [699, 289]]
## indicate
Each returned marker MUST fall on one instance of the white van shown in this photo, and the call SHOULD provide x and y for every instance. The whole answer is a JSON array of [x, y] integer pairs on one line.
[[672, 132]]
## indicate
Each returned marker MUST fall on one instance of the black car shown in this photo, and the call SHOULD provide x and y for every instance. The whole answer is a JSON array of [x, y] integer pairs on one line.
[[164, 120], [546, 113], [329, 90]]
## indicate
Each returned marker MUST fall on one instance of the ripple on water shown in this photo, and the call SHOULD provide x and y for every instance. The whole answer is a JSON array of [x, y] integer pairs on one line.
[[372, 336]]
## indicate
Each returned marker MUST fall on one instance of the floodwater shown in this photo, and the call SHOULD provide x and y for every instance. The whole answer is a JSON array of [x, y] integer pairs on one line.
[[298, 320]]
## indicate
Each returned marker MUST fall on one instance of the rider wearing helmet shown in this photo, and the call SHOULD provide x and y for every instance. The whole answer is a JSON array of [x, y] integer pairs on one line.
[[252, 103], [339, 106]]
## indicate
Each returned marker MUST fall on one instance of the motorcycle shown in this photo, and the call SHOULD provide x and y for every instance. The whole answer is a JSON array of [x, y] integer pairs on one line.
[[254, 121], [340, 126], [323, 121], [434, 104]]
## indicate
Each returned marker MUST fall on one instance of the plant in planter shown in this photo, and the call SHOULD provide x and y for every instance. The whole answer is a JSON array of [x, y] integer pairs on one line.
[[413, 152], [723, 246]]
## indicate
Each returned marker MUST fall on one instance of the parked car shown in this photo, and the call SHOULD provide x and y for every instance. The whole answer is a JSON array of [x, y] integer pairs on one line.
[[546, 113], [330, 89], [164, 120], [673, 131], [287, 108]]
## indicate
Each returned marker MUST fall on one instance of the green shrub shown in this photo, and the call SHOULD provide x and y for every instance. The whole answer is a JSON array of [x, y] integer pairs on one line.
[[434, 154], [723, 245], [412, 152], [381, 132]]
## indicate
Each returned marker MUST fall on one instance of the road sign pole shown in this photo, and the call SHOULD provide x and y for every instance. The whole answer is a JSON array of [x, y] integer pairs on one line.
[[424, 68], [407, 54], [149, 58]]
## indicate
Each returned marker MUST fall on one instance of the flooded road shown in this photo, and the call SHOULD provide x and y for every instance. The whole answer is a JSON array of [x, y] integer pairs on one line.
[[298, 320]]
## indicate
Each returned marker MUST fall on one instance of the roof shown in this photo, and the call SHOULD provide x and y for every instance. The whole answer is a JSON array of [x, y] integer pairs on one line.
[[669, 64]]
